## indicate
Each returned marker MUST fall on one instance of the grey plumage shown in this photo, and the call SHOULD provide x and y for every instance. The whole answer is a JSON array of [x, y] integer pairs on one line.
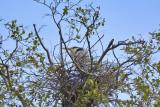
[[81, 57]]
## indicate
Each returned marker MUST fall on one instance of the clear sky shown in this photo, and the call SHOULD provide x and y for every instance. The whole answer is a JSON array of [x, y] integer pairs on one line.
[[124, 18]]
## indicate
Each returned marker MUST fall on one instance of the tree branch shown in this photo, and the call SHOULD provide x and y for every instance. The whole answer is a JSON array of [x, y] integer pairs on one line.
[[48, 55], [104, 53]]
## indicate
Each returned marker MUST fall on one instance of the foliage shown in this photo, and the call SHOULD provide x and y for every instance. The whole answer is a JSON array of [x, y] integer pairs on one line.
[[30, 75]]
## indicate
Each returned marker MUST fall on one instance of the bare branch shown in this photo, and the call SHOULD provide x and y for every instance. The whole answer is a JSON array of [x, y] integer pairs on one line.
[[115, 57], [11, 55], [98, 41], [89, 47], [104, 53], [48, 55]]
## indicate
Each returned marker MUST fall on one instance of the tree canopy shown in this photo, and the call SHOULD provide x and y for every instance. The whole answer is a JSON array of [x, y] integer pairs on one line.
[[33, 75]]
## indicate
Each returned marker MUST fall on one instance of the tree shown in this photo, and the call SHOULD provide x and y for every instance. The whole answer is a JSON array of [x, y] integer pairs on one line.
[[31, 75]]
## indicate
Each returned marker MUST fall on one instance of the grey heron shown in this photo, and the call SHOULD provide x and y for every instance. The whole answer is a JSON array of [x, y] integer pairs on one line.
[[81, 57]]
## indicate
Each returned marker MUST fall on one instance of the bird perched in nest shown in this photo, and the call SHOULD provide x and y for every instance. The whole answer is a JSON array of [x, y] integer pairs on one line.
[[80, 56]]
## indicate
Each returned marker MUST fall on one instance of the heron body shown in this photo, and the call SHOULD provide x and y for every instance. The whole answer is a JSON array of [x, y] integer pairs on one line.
[[80, 56]]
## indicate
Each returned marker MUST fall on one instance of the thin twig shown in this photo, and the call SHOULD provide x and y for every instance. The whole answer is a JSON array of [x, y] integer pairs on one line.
[[104, 53], [98, 41], [48, 55]]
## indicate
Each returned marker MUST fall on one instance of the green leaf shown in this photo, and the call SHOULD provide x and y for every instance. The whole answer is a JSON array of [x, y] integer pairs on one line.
[[91, 81], [148, 67], [18, 63], [12, 36], [35, 42], [94, 91], [147, 76], [78, 37], [102, 69], [65, 10], [77, 30], [23, 32]]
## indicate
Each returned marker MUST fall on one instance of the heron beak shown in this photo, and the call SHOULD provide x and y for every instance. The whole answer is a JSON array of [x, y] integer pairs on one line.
[[67, 48]]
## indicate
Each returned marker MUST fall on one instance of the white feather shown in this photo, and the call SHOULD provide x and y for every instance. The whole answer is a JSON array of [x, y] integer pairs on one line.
[[81, 58]]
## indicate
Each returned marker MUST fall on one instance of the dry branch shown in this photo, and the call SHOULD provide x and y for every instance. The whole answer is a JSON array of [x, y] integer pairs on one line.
[[46, 50]]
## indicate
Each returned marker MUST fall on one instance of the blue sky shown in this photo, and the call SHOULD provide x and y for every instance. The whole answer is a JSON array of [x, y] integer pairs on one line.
[[124, 18]]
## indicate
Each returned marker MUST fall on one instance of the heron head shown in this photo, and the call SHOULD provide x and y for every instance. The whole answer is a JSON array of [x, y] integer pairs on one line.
[[72, 49]]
